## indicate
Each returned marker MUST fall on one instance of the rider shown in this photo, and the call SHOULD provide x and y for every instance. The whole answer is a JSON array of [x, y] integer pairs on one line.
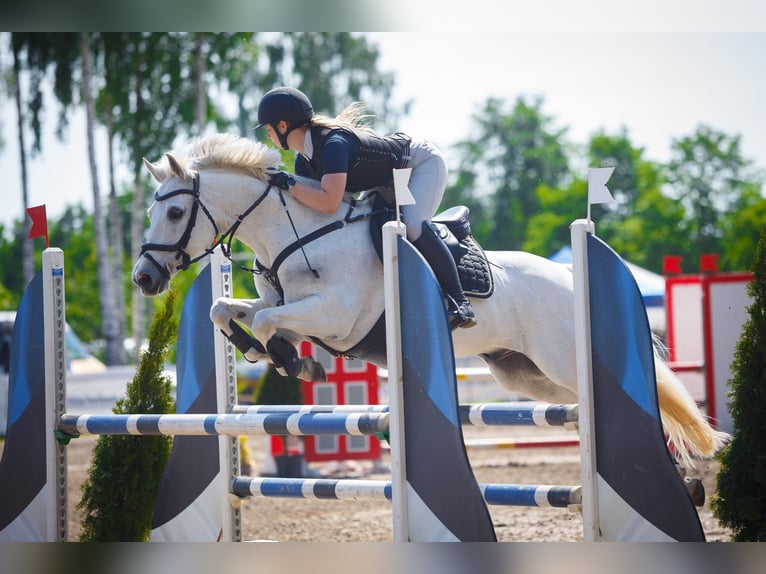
[[344, 154]]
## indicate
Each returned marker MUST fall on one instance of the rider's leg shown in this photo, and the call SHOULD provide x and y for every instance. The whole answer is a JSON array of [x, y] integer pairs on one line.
[[427, 183], [436, 252]]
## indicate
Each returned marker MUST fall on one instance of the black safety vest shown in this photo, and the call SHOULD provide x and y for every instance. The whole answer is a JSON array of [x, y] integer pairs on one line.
[[378, 155]]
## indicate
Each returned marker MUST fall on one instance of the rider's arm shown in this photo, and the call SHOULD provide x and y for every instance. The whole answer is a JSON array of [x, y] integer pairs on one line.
[[326, 198], [337, 152]]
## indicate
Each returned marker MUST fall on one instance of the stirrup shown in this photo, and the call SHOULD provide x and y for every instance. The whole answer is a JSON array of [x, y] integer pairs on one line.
[[460, 315]]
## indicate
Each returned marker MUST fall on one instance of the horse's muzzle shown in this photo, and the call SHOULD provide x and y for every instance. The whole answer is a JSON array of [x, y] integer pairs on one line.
[[150, 277]]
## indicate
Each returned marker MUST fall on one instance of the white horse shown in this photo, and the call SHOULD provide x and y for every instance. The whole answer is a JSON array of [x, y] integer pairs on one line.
[[330, 288]]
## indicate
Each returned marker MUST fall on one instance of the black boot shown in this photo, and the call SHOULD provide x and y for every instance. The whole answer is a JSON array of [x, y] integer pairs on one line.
[[436, 252]]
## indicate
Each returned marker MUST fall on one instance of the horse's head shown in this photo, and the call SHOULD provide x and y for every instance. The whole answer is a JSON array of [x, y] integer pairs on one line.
[[177, 234]]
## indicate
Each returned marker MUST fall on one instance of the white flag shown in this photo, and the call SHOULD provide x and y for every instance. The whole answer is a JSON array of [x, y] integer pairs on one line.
[[401, 179], [597, 190]]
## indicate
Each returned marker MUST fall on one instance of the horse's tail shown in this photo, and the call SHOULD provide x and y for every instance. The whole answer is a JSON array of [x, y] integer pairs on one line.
[[688, 430]]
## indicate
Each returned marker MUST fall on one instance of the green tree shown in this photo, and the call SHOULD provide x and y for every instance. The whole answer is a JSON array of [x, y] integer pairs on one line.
[[651, 233], [514, 151], [548, 229], [38, 54], [124, 476], [336, 68], [740, 229], [605, 150], [708, 174], [629, 222], [740, 499], [462, 191]]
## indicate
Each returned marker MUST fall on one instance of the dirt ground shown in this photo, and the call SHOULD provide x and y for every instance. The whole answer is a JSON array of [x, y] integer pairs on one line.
[[299, 520]]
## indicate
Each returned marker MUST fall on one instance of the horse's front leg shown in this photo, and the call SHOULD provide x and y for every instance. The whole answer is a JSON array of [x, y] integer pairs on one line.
[[226, 313], [308, 317]]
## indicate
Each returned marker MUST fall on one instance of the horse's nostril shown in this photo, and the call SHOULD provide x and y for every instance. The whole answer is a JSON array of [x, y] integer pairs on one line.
[[144, 280]]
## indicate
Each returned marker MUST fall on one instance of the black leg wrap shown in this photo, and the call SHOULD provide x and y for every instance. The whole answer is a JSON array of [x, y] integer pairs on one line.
[[243, 340], [284, 355]]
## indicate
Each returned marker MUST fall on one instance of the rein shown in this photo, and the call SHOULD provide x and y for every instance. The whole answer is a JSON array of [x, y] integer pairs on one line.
[[271, 274]]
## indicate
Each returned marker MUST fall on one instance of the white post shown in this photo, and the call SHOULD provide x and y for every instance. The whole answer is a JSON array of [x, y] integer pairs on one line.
[[54, 314], [590, 511], [391, 232], [226, 399]]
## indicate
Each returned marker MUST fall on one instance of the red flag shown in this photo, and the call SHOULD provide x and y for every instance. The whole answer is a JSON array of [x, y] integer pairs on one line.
[[39, 223], [709, 262], [671, 264]]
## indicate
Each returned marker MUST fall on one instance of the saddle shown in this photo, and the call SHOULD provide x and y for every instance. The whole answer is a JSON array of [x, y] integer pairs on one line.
[[454, 227]]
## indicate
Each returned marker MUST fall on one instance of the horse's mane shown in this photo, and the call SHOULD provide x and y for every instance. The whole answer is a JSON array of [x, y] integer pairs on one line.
[[229, 151]]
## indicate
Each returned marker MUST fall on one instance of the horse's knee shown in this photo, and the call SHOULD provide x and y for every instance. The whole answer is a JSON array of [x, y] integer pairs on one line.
[[220, 312], [263, 327]]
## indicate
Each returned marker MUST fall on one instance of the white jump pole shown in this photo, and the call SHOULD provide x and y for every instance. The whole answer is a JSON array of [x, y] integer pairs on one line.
[[226, 399], [391, 233], [587, 427], [54, 314]]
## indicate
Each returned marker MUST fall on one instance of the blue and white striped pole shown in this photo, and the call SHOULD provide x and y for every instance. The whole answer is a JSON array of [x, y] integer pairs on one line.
[[226, 424], [476, 414], [551, 496]]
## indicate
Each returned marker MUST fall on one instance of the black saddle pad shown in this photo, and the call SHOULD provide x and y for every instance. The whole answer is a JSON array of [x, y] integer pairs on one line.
[[472, 265], [473, 268]]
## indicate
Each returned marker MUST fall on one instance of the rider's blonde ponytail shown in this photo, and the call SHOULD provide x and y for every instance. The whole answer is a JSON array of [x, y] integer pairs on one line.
[[353, 116]]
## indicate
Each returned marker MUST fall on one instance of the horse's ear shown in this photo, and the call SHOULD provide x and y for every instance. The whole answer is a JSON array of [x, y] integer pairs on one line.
[[175, 166], [154, 170]]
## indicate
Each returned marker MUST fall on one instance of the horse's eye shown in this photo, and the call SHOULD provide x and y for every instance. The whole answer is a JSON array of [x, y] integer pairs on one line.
[[175, 213]]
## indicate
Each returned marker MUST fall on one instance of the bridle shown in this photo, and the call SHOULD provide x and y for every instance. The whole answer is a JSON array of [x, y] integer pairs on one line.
[[225, 239], [180, 246]]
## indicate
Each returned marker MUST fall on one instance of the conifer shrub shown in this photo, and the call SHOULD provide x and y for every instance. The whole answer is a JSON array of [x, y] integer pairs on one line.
[[119, 493], [740, 499], [276, 389]]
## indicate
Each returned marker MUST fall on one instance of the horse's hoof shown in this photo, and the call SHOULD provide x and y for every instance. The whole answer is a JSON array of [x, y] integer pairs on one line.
[[283, 355], [313, 371]]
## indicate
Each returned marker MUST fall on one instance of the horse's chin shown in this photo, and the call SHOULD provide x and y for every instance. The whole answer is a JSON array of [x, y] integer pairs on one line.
[[152, 292]]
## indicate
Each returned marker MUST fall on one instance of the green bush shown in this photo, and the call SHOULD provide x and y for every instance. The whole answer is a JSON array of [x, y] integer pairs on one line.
[[276, 389], [740, 500], [123, 479]]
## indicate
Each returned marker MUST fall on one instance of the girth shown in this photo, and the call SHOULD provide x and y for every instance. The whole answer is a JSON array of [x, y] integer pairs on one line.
[[271, 273]]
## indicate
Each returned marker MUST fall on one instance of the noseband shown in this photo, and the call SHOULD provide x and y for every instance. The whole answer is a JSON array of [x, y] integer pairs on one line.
[[180, 246]]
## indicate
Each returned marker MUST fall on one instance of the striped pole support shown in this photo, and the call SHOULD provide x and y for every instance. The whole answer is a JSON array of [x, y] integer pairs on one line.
[[345, 489], [226, 424], [479, 414]]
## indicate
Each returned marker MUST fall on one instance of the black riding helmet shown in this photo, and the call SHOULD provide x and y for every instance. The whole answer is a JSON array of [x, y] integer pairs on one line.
[[286, 104]]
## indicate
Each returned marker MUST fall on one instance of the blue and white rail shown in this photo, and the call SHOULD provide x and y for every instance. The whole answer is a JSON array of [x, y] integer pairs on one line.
[[480, 414], [226, 424], [348, 489]]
